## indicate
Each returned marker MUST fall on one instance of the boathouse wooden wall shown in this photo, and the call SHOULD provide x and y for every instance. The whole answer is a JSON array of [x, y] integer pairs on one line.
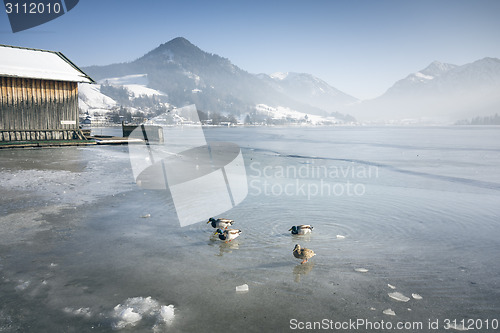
[[34, 109]]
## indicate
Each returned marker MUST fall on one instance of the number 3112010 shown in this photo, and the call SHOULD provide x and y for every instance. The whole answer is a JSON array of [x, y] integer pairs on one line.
[[33, 8]]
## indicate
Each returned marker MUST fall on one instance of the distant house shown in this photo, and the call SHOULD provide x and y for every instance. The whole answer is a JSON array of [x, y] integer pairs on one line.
[[38, 95]]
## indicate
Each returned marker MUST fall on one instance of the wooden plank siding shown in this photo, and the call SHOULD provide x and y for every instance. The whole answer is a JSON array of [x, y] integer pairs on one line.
[[34, 109]]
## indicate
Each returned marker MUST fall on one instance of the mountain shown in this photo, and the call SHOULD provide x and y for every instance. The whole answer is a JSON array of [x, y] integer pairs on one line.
[[439, 93], [308, 89], [188, 75]]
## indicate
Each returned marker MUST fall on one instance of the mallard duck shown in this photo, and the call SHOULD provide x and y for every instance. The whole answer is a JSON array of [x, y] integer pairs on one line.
[[228, 234], [303, 253], [302, 229], [220, 223]]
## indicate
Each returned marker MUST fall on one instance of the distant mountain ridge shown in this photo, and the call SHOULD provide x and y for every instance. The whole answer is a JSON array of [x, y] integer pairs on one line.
[[189, 75], [439, 93], [309, 89]]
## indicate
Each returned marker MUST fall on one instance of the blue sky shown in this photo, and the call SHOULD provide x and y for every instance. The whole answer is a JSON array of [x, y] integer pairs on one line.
[[359, 47]]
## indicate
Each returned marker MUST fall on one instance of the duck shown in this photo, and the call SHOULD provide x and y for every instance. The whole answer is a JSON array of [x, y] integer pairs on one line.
[[303, 253], [302, 229], [228, 234], [220, 223]]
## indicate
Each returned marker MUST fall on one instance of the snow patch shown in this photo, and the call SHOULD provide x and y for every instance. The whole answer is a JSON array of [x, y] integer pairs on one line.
[[423, 76], [136, 84], [90, 98]]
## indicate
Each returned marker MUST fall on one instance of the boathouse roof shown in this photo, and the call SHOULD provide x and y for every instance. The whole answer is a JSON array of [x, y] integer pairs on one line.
[[29, 63]]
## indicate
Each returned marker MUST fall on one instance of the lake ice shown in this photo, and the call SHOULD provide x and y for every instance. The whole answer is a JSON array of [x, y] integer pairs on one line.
[[404, 218]]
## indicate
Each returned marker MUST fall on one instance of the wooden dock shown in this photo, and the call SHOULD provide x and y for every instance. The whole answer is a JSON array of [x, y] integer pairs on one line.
[[89, 141], [45, 143], [113, 140]]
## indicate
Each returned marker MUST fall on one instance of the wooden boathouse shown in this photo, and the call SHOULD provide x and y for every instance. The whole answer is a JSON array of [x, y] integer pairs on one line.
[[38, 96]]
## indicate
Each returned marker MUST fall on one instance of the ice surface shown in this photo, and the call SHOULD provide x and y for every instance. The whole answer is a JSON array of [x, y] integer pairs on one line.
[[399, 297], [242, 288], [405, 227]]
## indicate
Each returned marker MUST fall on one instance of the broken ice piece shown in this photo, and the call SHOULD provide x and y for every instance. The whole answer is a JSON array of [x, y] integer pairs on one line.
[[389, 312], [167, 313], [361, 270], [399, 297], [416, 296], [391, 286], [242, 288], [455, 326], [340, 237]]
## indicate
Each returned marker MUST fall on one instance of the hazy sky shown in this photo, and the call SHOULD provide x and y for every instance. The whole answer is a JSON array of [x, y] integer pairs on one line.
[[359, 47]]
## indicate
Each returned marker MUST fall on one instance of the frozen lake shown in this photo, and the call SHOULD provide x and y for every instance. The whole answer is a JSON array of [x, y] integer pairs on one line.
[[406, 229]]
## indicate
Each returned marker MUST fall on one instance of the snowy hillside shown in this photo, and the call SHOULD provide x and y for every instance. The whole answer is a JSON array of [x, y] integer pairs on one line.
[[136, 84], [287, 115], [91, 100], [309, 89]]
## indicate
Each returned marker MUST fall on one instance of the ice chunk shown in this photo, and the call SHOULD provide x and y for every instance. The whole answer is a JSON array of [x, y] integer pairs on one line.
[[391, 286], [361, 270], [389, 312], [22, 285], [242, 288], [132, 310], [399, 297], [126, 317], [455, 326], [416, 296], [167, 313], [340, 237], [83, 312]]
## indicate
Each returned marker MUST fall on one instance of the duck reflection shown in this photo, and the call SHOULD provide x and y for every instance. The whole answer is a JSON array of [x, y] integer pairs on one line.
[[302, 270], [228, 247]]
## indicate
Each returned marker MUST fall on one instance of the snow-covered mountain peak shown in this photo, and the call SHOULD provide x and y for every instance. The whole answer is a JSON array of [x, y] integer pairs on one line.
[[437, 68], [279, 75]]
